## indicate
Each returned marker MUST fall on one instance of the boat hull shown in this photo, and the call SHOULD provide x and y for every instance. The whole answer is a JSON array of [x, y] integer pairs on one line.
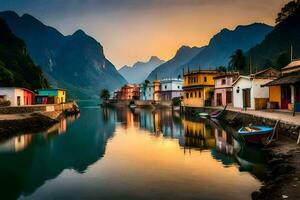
[[257, 138]]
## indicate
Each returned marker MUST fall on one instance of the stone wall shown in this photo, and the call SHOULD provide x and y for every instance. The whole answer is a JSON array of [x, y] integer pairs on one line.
[[36, 108], [283, 128]]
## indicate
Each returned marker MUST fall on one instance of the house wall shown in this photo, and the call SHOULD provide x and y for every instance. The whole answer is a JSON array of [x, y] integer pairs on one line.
[[275, 94], [223, 93], [28, 97], [242, 83], [61, 96], [11, 94], [197, 97], [149, 92]]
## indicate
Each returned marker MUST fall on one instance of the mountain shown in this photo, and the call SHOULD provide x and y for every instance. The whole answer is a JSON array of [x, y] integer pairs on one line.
[[223, 44], [76, 61], [172, 68], [140, 70], [16, 67], [278, 43]]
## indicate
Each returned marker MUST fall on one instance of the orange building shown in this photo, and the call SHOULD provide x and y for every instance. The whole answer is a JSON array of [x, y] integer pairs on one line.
[[128, 92]]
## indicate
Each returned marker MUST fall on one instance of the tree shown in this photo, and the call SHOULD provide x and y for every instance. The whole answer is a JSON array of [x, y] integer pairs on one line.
[[221, 69], [104, 95], [283, 60], [176, 101], [237, 60], [288, 9]]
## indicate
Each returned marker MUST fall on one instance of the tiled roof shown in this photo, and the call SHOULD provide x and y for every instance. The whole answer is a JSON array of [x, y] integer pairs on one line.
[[286, 80]]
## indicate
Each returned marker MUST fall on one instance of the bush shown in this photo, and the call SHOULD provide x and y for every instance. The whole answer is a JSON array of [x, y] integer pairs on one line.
[[4, 103], [176, 101]]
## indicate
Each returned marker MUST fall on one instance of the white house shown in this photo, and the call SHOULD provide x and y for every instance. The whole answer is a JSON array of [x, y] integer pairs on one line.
[[171, 88], [14, 95], [248, 91]]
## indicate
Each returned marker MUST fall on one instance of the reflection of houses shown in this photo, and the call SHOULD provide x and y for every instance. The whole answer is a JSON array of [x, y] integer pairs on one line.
[[171, 88], [223, 88], [128, 92], [198, 88], [285, 91], [224, 142], [17, 96], [16, 144], [51, 96], [198, 135], [248, 91]]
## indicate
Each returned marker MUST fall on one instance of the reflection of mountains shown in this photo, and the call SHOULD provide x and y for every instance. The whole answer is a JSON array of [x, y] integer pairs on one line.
[[43, 159]]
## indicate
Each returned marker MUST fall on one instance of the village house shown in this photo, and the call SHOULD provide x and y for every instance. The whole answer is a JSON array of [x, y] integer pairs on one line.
[[248, 91], [51, 96], [128, 92], [17, 96], [285, 91], [150, 91], [171, 88], [223, 88], [198, 88], [156, 90]]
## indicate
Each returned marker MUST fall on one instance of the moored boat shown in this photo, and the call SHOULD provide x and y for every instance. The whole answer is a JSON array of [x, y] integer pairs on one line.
[[256, 134]]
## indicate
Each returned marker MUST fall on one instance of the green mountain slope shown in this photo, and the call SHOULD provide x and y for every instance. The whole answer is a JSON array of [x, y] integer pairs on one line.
[[16, 66]]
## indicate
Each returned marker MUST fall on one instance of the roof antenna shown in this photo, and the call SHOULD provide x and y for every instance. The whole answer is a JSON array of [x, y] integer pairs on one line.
[[250, 66]]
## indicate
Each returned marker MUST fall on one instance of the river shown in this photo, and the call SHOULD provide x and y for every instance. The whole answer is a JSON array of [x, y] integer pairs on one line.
[[124, 154]]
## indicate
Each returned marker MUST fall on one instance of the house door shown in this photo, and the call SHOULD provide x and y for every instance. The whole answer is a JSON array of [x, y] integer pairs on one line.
[[286, 96], [246, 98], [18, 100], [219, 99], [228, 97]]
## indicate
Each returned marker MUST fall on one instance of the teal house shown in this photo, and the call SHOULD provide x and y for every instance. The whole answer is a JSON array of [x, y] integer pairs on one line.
[[51, 96]]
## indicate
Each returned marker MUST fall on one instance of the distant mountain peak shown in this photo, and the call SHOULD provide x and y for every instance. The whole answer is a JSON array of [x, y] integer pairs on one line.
[[79, 32], [154, 58]]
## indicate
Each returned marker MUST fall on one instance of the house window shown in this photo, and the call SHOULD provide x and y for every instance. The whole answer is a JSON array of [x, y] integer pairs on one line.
[[195, 94], [199, 94], [223, 81], [187, 95], [205, 79], [178, 87], [165, 87], [191, 94]]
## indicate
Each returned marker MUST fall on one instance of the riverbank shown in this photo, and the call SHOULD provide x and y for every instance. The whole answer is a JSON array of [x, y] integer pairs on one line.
[[33, 118], [283, 177]]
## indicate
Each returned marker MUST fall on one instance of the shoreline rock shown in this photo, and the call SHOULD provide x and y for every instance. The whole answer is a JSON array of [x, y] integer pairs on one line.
[[282, 180]]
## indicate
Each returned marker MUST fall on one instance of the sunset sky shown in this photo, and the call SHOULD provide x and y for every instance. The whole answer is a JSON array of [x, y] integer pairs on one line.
[[132, 30]]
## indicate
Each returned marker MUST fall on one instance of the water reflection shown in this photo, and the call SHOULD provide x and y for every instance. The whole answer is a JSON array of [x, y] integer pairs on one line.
[[136, 140]]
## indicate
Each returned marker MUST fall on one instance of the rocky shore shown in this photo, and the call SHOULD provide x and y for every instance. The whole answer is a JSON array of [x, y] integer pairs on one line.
[[11, 124], [283, 177]]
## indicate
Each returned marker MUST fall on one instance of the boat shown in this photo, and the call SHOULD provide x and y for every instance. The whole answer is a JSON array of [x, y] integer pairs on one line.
[[218, 114], [132, 106], [256, 134]]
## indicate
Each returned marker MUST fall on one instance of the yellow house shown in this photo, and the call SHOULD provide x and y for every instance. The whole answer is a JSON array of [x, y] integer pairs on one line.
[[284, 92], [198, 88]]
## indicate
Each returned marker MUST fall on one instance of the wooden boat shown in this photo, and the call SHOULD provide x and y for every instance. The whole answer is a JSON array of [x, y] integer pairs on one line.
[[132, 106], [255, 134], [218, 114]]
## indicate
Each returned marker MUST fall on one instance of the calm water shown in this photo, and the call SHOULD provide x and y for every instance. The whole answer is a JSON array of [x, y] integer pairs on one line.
[[119, 154]]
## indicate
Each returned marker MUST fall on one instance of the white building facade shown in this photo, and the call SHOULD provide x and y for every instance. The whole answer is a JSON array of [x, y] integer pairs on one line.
[[171, 88], [14, 95], [246, 90]]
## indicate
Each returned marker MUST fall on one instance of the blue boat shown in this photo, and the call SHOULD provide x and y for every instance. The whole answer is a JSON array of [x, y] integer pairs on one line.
[[255, 134]]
